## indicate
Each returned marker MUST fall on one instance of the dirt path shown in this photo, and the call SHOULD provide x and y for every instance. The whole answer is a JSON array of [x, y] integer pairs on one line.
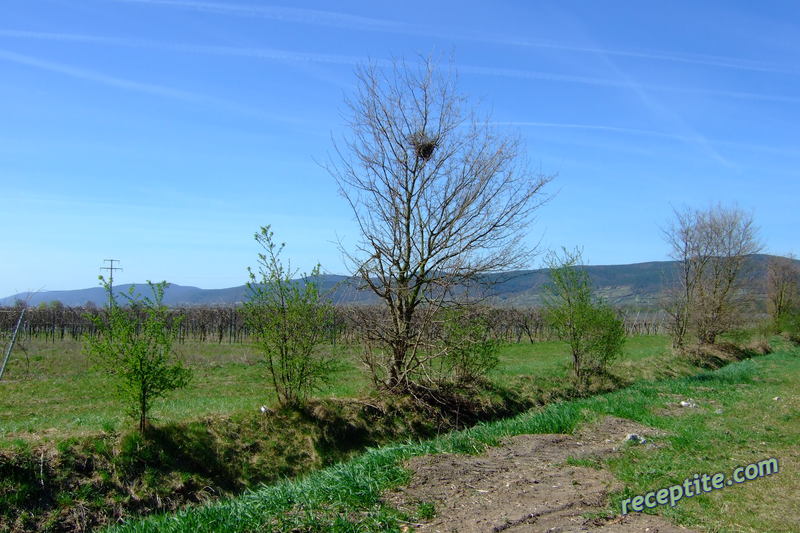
[[524, 485]]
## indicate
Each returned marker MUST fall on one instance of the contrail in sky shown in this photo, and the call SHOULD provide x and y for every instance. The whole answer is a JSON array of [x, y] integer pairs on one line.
[[126, 84], [358, 23], [91, 75], [607, 82], [647, 133], [283, 14], [273, 54]]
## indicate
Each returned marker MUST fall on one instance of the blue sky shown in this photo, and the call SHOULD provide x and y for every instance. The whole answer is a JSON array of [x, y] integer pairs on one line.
[[164, 132]]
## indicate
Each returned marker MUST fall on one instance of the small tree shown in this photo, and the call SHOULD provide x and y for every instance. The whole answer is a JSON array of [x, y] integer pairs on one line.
[[289, 319], [710, 247], [592, 329], [686, 250], [783, 287], [134, 345]]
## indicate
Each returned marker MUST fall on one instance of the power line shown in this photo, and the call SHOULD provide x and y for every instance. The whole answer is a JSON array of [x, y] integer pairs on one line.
[[111, 268]]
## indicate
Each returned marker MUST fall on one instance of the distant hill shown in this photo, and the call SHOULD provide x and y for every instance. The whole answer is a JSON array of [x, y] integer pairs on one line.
[[636, 285], [177, 295]]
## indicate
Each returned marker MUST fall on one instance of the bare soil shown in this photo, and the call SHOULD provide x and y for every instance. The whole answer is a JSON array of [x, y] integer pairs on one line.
[[525, 485]]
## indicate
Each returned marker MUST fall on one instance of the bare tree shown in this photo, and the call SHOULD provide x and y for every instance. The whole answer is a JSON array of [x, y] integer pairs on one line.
[[711, 247], [439, 197], [783, 286], [685, 248]]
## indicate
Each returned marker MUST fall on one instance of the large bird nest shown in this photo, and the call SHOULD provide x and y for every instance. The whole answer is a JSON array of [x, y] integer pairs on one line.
[[423, 144]]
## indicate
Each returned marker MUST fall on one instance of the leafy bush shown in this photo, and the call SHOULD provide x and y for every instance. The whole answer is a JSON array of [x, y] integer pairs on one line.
[[606, 335], [591, 328], [136, 349], [789, 324], [289, 319]]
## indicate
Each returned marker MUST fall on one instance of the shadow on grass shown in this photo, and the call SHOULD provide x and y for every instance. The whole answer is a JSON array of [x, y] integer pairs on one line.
[[178, 448]]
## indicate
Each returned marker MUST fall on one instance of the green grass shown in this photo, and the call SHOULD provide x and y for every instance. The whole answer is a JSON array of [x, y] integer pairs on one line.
[[426, 510], [587, 462], [550, 359], [752, 426], [50, 390]]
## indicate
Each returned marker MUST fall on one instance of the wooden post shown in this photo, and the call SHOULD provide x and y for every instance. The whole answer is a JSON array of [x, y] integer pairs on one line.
[[11, 344]]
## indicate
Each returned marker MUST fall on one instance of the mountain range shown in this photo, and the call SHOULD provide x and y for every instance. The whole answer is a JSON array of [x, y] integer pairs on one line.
[[635, 285]]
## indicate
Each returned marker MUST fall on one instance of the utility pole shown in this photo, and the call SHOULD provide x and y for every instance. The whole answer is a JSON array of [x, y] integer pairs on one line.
[[111, 268]]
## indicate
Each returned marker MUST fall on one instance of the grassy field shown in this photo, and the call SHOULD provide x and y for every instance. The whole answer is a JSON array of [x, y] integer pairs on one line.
[[50, 390], [738, 421], [747, 412]]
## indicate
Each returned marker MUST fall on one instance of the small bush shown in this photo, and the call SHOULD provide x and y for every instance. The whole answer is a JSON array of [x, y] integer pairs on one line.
[[788, 324], [591, 328], [289, 319], [135, 348], [606, 334], [469, 352]]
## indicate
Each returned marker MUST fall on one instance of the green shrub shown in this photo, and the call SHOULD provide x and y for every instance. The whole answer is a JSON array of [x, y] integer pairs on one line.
[[289, 319], [135, 347], [606, 334], [591, 328], [789, 324]]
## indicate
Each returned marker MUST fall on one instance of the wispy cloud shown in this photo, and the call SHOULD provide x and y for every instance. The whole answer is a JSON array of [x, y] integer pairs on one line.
[[620, 83], [257, 53], [129, 85], [595, 127], [650, 133], [272, 54], [664, 112], [291, 56], [91, 75], [358, 23], [692, 59], [284, 14]]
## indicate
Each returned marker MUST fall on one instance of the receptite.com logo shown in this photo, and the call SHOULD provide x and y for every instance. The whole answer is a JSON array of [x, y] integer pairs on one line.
[[699, 484]]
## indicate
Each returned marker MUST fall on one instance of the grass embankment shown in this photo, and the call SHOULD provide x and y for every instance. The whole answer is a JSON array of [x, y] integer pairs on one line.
[[211, 440], [750, 427], [51, 392]]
